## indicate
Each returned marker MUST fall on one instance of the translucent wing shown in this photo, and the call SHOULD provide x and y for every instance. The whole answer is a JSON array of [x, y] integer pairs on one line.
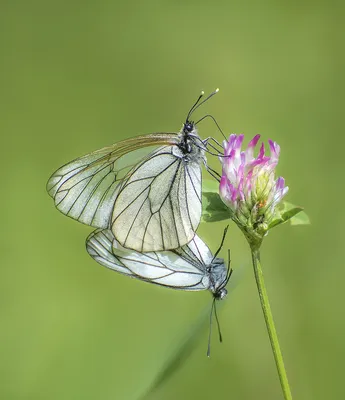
[[158, 207], [196, 251], [85, 189], [166, 268]]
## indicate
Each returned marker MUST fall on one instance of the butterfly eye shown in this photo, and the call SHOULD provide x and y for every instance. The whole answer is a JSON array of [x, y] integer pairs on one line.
[[221, 294], [188, 127]]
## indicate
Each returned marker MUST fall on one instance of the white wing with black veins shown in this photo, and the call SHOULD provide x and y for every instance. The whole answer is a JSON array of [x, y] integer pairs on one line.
[[85, 189], [159, 206], [166, 268]]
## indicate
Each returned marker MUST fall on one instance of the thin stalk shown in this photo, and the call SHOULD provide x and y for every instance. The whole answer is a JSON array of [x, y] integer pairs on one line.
[[272, 333]]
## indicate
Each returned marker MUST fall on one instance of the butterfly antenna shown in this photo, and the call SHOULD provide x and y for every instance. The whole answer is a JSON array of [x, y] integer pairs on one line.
[[221, 243], [197, 104], [210, 331], [218, 324], [214, 120], [194, 105]]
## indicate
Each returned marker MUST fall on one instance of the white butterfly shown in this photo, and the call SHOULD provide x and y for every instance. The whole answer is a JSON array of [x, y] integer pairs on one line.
[[150, 205], [192, 267]]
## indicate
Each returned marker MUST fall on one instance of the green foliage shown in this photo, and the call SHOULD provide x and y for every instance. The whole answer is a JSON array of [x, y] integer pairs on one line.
[[292, 213], [213, 209]]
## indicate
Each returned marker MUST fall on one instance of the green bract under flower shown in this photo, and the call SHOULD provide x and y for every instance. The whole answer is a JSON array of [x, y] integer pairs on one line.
[[248, 185]]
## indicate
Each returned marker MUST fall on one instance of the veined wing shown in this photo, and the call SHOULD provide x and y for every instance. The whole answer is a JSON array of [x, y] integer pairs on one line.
[[85, 189], [165, 268], [158, 207], [196, 252]]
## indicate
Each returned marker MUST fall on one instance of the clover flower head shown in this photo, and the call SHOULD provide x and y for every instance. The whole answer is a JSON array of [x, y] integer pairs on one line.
[[248, 185]]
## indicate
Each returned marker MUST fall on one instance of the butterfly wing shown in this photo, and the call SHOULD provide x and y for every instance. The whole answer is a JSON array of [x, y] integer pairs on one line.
[[196, 251], [159, 206], [165, 268], [85, 189]]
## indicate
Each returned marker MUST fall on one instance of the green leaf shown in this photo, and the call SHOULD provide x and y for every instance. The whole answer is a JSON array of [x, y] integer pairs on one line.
[[213, 209], [292, 213], [300, 219]]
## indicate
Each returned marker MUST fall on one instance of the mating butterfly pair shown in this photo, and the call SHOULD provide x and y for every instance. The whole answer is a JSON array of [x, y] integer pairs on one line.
[[146, 208]]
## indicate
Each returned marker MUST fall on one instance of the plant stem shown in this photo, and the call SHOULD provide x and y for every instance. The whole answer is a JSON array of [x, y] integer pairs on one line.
[[265, 305]]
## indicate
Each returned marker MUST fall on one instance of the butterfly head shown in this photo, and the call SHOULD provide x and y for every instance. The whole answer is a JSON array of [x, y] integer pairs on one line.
[[188, 127], [220, 294]]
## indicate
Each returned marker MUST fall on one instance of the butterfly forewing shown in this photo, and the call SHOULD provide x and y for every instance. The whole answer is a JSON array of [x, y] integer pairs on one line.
[[85, 189]]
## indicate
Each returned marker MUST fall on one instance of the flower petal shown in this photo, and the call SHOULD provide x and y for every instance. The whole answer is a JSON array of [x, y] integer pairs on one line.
[[248, 183]]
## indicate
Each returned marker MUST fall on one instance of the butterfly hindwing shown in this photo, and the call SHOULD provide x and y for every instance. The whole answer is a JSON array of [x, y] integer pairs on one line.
[[166, 268], [165, 206]]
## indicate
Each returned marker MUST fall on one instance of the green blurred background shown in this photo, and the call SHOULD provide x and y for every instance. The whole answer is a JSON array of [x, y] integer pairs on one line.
[[76, 76]]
